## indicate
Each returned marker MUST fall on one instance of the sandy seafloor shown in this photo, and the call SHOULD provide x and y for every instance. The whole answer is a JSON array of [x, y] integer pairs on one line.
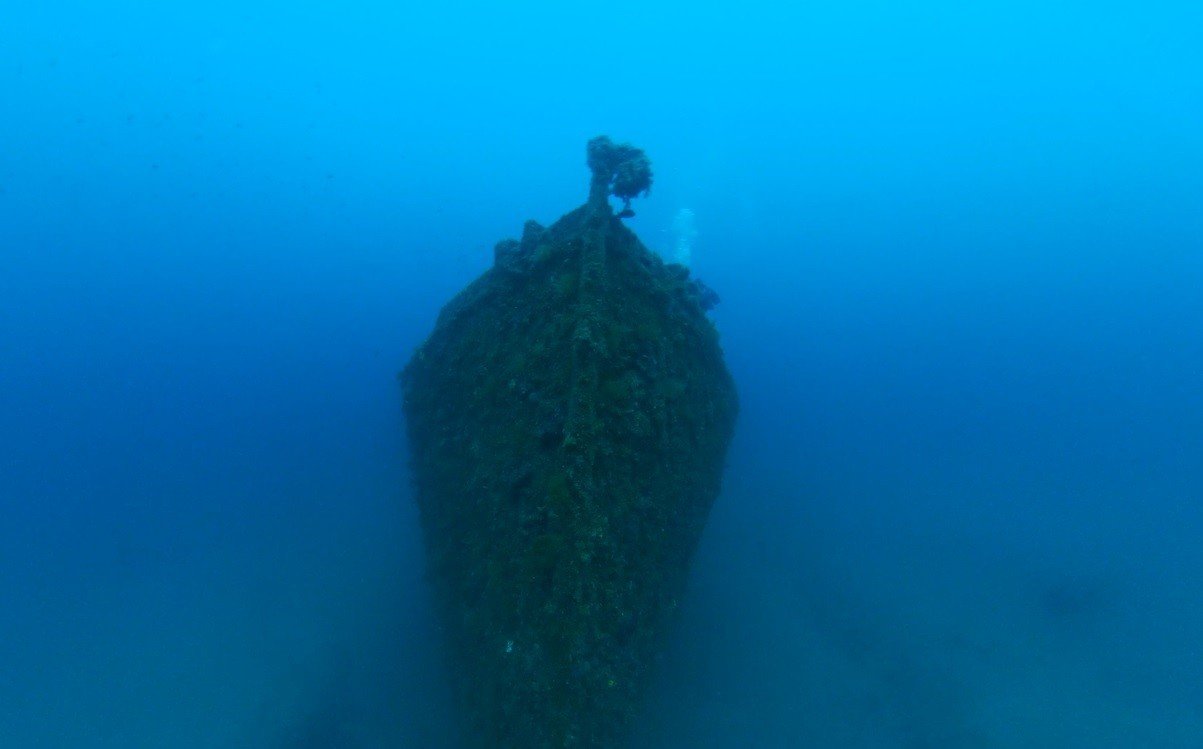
[[807, 624], [835, 630]]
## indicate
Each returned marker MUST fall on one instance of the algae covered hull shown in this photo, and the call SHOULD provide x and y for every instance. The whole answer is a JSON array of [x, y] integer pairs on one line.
[[568, 421]]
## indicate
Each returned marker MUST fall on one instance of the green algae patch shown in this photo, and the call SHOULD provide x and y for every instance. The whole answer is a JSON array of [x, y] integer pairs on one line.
[[568, 421]]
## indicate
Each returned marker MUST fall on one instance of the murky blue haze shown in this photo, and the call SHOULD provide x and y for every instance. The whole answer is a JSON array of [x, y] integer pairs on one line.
[[960, 251]]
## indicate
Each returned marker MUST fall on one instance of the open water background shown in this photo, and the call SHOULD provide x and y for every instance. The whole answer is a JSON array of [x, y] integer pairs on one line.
[[960, 251]]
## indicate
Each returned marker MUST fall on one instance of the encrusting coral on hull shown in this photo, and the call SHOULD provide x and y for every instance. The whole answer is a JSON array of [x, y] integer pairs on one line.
[[568, 420]]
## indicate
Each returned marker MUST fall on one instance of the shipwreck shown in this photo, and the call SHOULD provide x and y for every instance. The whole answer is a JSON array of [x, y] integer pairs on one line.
[[568, 421]]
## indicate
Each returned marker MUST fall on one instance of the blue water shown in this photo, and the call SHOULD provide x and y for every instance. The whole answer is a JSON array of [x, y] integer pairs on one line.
[[960, 251]]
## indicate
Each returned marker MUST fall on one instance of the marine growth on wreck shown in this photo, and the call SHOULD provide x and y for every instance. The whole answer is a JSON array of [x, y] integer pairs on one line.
[[568, 420]]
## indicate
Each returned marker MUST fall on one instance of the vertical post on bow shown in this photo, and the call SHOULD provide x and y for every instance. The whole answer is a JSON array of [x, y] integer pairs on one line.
[[619, 169]]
